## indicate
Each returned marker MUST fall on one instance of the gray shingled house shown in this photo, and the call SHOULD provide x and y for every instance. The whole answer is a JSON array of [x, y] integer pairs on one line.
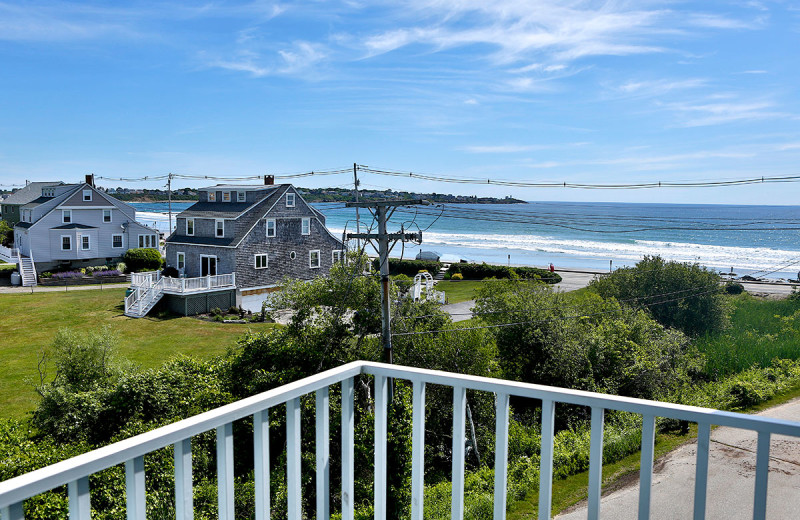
[[256, 234]]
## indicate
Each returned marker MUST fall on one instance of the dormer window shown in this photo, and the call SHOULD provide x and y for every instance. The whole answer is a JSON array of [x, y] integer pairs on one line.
[[240, 196], [48, 192], [212, 196], [226, 196], [290, 200], [87, 195]]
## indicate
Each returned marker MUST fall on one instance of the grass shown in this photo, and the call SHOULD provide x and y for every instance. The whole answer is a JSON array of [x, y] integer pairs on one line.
[[459, 291], [758, 334], [29, 322], [571, 490], [7, 267]]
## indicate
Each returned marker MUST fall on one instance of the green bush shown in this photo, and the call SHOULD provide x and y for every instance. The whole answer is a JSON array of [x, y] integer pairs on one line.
[[402, 282], [142, 259], [409, 267], [684, 296], [734, 288], [484, 270]]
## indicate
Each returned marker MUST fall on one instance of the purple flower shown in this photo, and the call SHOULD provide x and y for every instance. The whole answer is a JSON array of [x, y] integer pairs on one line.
[[112, 272]]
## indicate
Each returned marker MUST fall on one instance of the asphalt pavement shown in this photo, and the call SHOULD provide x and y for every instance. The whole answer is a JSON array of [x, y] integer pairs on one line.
[[731, 478]]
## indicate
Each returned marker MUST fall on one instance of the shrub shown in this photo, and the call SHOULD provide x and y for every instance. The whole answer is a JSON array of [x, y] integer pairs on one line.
[[734, 288], [46, 274], [684, 296], [233, 309], [402, 282], [170, 272], [484, 270], [101, 274], [409, 267], [67, 275], [142, 259], [121, 267], [216, 311], [457, 276]]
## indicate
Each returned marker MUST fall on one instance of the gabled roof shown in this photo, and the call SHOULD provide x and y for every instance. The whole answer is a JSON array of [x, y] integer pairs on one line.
[[74, 225], [245, 220], [29, 193], [238, 187], [215, 210]]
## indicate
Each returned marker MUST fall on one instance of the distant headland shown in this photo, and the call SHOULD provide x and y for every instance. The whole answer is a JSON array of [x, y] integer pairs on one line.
[[316, 195]]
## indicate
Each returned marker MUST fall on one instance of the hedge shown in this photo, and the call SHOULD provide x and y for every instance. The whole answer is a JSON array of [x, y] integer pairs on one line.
[[410, 267], [142, 259], [481, 271]]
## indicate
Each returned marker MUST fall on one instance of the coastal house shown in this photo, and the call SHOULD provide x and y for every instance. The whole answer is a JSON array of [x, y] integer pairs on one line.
[[10, 204], [235, 245], [75, 225]]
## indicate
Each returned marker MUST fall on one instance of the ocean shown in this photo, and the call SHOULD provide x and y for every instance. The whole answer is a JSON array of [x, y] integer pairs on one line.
[[756, 240]]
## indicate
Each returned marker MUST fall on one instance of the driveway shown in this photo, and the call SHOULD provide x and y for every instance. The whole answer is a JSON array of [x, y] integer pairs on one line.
[[731, 478]]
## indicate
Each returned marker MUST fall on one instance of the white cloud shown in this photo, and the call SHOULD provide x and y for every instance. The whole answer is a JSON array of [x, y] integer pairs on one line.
[[716, 113]]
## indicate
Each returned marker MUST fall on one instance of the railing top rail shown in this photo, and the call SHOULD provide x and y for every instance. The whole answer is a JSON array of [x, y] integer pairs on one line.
[[17, 489], [584, 398]]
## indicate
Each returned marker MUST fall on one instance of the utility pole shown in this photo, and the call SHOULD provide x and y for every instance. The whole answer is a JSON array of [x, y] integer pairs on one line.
[[355, 189], [169, 201], [382, 211]]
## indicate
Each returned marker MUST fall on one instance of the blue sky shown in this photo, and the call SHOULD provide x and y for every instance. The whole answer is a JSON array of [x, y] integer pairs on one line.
[[579, 91]]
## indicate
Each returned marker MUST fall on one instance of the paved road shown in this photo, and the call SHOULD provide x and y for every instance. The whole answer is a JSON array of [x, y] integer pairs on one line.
[[731, 478]]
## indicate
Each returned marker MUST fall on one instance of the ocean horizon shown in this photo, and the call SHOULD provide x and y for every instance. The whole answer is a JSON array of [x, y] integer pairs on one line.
[[748, 240]]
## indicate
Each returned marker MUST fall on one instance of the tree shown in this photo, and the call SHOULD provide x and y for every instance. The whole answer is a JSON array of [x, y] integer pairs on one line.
[[684, 296], [6, 234]]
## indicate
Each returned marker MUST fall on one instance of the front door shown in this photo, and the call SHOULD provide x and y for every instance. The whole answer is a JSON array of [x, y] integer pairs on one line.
[[208, 265]]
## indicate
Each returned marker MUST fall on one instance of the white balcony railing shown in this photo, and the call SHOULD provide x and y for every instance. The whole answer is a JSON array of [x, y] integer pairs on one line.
[[75, 472]]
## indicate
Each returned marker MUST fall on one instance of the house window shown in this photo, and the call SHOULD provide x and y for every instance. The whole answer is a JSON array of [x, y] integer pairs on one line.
[[66, 216], [87, 195], [212, 196], [181, 261], [306, 227], [270, 227], [290, 200], [261, 261], [313, 259], [220, 228], [106, 216], [85, 245], [116, 241], [336, 255], [66, 243], [226, 196], [147, 241], [190, 227], [292, 255], [240, 196]]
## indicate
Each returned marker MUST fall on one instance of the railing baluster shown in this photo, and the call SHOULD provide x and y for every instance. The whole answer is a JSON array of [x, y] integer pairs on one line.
[[762, 474], [184, 506], [381, 434], [225, 472], [261, 463], [596, 462], [80, 505], [646, 465], [13, 512], [323, 454], [134, 489], [546, 460], [459, 426], [501, 456], [293, 470], [348, 450], [418, 451], [701, 470]]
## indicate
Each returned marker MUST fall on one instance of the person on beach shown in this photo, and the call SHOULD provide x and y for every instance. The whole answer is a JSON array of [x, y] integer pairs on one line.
[[553, 268]]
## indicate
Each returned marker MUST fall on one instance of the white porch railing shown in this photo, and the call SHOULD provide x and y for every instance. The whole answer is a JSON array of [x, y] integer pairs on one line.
[[8, 254], [75, 472], [182, 285], [145, 279]]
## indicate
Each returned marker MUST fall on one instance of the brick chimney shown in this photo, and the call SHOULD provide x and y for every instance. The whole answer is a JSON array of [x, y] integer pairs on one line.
[[269, 180], [90, 180]]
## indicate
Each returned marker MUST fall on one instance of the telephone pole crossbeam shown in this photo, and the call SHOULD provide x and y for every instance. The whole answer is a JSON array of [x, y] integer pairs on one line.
[[382, 211]]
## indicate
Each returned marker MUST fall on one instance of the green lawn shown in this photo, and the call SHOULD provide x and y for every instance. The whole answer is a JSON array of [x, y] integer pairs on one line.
[[29, 322], [459, 291]]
